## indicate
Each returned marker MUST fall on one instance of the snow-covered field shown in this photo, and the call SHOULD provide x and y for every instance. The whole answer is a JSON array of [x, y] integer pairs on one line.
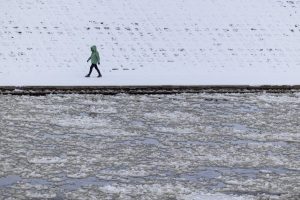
[[189, 146], [147, 42]]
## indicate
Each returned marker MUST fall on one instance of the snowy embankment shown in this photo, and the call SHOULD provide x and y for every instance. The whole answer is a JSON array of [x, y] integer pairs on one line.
[[145, 42]]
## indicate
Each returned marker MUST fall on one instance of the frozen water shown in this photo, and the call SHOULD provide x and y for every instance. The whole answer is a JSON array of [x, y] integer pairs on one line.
[[187, 146], [9, 180]]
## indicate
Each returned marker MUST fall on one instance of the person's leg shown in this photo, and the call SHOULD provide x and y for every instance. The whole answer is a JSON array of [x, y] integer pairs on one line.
[[91, 69], [99, 73]]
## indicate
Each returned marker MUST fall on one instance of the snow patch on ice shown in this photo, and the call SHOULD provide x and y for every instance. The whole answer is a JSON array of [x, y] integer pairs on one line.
[[46, 160]]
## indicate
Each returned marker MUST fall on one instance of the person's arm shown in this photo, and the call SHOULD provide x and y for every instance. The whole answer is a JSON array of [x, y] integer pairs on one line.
[[89, 59], [98, 58]]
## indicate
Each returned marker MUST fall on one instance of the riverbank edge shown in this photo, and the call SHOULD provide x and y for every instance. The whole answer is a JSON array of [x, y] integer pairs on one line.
[[136, 90]]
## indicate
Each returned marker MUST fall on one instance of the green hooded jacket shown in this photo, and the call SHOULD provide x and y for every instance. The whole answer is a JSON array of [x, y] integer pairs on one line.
[[95, 58]]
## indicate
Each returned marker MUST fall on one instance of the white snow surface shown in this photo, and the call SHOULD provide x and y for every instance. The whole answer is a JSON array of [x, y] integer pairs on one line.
[[146, 42]]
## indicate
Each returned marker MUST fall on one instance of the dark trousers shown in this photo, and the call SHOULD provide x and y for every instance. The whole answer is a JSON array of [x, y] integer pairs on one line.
[[96, 67]]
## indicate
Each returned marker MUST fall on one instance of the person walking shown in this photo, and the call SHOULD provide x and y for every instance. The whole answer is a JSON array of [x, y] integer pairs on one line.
[[95, 58]]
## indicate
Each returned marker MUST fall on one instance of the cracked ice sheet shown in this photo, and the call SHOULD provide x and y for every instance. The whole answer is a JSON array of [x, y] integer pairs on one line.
[[187, 146], [146, 42]]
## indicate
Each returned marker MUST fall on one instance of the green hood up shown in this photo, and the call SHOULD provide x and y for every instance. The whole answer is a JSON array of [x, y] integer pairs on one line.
[[94, 48]]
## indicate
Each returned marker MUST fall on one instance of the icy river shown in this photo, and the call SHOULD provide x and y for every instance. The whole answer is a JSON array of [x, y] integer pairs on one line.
[[185, 146]]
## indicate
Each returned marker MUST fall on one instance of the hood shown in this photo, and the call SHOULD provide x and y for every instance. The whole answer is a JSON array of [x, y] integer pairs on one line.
[[94, 48]]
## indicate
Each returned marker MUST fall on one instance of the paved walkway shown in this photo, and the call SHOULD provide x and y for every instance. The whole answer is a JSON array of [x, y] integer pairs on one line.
[[162, 89]]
